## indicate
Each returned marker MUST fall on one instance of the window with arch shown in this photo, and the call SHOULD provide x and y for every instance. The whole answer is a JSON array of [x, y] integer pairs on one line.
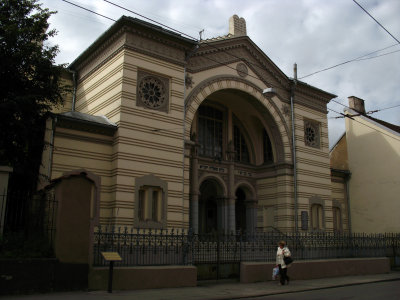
[[267, 148], [151, 194], [241, 150], [210, 131], [317, 217]]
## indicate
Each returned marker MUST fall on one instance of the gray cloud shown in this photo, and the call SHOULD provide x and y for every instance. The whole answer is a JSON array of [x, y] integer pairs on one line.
[[315, 34]]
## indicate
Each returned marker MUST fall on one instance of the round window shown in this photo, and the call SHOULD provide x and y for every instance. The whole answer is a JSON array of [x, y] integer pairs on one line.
[[152, 92]]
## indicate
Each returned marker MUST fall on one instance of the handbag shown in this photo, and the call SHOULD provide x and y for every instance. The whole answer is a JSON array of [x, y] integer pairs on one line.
[[288, 260]]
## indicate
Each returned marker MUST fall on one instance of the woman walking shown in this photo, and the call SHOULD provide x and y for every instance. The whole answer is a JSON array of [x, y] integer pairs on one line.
[[282, 252]]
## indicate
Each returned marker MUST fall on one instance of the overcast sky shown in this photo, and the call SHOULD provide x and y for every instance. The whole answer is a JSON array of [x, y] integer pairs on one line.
[[315, 34]]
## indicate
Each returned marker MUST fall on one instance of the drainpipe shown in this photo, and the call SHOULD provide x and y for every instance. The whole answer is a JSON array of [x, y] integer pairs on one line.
[[347, 180], [294, 147]]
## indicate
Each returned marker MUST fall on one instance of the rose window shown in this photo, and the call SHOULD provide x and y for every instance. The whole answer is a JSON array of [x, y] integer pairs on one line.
[[152, 92]]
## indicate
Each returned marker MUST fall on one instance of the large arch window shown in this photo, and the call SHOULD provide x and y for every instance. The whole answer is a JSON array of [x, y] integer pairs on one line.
[[267, 148], [210, 131], [241, 150]]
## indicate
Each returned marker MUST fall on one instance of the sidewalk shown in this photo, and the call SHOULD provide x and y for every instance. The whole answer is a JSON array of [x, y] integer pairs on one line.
[[218, 290]]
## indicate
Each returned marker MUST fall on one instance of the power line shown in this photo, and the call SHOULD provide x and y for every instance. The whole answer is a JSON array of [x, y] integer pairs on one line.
[[88, 10], [208, 44], [376, 20], [362, 57], [388, 108], [224, 64], [378, 55]]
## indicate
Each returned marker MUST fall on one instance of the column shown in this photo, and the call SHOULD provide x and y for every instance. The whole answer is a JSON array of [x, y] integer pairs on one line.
[[194, 192], [251, 216]]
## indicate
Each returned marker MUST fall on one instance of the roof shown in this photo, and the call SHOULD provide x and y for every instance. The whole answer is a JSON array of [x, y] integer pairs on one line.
[[82, 117], [85, 122], [386, 124], [132, 22]]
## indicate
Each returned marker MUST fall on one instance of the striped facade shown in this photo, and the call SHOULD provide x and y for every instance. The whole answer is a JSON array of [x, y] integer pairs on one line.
[[152, 87]]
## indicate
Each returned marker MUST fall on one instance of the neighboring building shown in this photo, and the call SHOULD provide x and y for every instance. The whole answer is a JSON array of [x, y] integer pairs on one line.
[[182, 135], [370, 152]]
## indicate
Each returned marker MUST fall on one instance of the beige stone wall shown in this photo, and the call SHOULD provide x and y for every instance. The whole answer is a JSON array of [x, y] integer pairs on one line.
[[339, 199], [338, 156], [150, 142], [313, 170], [74, 150]]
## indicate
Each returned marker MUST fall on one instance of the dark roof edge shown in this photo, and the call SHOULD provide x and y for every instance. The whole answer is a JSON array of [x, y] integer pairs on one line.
[[81, 121], [124, 20]]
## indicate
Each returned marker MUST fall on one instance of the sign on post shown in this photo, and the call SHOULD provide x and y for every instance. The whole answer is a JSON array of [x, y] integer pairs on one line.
[[111, 257]]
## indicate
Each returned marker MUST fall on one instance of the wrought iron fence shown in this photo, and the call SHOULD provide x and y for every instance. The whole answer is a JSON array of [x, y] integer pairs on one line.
[[142, 247], [181, 247], [29, 213]]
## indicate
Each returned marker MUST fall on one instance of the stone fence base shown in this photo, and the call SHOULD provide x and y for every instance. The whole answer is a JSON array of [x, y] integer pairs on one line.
[[134, 278], [311, 269]]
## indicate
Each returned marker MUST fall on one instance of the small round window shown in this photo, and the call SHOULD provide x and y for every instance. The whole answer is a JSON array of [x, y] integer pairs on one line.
[[152, 92]]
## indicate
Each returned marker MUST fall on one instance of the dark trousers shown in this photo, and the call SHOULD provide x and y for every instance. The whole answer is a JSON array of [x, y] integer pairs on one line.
[[283, 275]]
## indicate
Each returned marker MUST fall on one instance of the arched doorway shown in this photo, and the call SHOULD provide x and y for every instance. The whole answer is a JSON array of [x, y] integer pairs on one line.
[[240, 210], [210, 207]]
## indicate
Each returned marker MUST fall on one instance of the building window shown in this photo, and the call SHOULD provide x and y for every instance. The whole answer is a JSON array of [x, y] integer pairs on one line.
[[337, 219], [317, 217], [151, 197], [152, 91], [210, 131], [149, 206], [311, 134], [267, 148], [241, 150]]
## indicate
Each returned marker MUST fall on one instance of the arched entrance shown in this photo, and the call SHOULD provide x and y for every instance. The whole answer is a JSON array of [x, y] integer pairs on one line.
[[240, 210], [210, 207]]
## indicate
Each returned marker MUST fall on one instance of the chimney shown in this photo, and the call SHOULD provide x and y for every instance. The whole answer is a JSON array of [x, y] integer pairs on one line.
[[357, 104], [237, 26]]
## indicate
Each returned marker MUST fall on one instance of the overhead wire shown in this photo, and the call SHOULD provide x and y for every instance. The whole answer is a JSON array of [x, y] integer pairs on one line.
[[341, 114], [362, 57], [376, 21], [89, 10], [237, 57]]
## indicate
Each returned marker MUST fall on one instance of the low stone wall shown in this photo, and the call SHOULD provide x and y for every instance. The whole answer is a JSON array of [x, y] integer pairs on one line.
[[311, 269], [133, 278]]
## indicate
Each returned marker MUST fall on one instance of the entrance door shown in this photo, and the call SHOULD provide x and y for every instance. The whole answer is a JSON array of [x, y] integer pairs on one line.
[[240, 210], [209, 208]]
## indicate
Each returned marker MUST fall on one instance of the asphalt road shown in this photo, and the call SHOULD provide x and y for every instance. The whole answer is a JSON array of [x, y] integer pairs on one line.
[[371, 291]]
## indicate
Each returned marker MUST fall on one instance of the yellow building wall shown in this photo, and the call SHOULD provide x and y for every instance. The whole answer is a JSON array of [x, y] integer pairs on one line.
[[374, 162]]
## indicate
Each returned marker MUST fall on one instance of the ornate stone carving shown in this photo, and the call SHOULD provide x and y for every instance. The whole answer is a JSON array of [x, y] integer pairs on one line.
[[311, 134], [285, 110], [189, 81], [152, 91]]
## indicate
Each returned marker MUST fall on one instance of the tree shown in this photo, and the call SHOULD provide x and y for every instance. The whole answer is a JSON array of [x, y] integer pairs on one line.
[[29, 84]]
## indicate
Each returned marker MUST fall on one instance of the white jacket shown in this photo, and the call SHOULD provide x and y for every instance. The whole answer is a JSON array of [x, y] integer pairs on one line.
[[280, 253]]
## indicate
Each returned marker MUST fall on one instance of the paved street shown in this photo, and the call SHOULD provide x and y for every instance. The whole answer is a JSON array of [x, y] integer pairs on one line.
[[383, 284], [370, 291]]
